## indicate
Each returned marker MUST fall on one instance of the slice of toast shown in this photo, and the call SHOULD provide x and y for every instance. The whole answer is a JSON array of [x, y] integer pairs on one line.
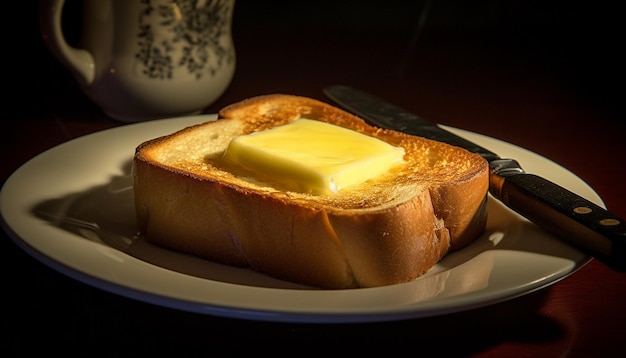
[[387, 230]]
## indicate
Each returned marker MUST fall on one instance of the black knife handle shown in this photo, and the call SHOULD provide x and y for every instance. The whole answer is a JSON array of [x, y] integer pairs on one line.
[[576, 220]]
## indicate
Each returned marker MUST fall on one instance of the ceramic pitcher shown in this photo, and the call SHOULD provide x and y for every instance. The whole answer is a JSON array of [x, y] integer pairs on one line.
[[146, 59]]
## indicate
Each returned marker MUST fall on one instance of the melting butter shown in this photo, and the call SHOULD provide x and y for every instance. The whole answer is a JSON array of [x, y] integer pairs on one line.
[[313, 156]]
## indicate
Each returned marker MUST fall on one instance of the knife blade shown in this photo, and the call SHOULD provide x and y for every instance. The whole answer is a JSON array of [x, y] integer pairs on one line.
[[572, 218]]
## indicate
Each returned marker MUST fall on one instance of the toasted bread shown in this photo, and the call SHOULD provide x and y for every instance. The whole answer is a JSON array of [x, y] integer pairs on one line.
[[386, 230]]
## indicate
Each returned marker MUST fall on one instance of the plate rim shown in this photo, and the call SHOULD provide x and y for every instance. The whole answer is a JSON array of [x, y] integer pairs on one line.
[[425, 309]]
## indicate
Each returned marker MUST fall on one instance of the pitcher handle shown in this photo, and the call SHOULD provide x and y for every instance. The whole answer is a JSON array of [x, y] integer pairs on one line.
[[79, 61]]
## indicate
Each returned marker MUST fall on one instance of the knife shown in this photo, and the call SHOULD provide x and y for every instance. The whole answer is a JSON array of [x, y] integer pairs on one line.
[[572, 218]]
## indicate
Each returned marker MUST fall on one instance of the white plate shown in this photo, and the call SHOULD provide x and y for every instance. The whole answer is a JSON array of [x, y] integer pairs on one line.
[[86, 177]]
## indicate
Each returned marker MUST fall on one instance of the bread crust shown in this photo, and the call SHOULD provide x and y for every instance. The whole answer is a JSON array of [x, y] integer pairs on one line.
[[386, 231]]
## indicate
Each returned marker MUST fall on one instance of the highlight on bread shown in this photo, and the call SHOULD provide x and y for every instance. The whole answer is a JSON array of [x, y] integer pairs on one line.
[[244, 190]]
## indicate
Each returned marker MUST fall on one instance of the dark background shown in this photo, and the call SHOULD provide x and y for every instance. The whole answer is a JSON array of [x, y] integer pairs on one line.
[[519, 61], [579, 43]]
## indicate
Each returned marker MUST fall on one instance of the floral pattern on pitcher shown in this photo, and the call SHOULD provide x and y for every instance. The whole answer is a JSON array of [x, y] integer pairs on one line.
[[192, 40]]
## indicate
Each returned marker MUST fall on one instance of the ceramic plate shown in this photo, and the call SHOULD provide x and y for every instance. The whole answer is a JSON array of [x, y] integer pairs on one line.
[[88, 178]]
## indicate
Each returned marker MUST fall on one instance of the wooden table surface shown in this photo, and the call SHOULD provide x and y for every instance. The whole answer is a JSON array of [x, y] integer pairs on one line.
[[524, 73]]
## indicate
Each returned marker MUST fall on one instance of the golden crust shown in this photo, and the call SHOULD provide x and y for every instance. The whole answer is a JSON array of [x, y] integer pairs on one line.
[[388, 230]]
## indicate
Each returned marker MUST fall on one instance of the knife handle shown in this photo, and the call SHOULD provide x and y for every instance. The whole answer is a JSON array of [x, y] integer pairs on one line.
[[576, 220]]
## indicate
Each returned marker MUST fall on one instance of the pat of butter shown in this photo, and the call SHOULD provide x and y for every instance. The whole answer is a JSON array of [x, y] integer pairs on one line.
[[313, 156]]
